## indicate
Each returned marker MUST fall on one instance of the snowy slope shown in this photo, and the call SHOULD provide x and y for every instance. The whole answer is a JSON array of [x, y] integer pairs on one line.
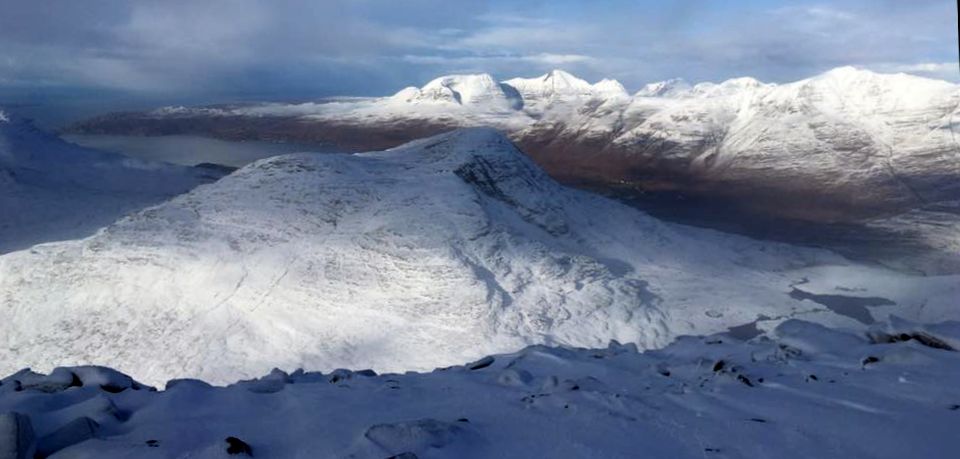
[[850, 134], [52, 190], [551, 84], [440, 251], [671, 87], [479, 89], [809, 392], [558, 86]]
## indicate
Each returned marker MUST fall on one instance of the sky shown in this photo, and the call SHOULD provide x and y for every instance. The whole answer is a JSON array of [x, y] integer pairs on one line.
[[105, 52]]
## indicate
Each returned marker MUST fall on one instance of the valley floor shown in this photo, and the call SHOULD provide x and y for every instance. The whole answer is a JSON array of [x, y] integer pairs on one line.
[[810, 391], [923, 241]]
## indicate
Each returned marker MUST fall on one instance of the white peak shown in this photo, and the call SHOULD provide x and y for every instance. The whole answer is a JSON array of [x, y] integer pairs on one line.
[[858, 76], [462, 90], [406, 94], [564, 77], [562, 81], [477, 80], [742, 82], [553, 83], [905, 85], [610, 88], [852, 87], [849, 75], [729, 87], [664, 88], [847, 71]]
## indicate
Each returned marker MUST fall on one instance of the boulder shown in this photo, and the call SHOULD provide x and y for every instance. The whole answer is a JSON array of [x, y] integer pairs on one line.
[[108, 379], [73, 432], [16, 436]]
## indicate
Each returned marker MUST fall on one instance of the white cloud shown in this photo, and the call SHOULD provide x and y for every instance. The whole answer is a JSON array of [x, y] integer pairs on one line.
[[558, 59], [545, 58], [549, 37], [338, 46], [941, 70]]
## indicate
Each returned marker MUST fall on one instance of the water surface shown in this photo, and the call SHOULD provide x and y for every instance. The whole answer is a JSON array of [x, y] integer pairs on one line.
[[190, 150]]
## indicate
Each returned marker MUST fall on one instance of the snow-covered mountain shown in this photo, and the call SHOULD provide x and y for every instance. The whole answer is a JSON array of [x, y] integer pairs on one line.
[[558, 85], [436, 252], [843, 144], [845, 140], [671, 87], [464, 90], [53, 190], [810, 391]]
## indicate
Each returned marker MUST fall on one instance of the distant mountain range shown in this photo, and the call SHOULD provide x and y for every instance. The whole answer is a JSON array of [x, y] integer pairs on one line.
[[845, 144], [437, 252]]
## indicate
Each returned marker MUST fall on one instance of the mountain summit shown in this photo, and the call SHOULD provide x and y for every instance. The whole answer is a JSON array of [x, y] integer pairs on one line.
[[436, 252], [553, 83], [477, 89]]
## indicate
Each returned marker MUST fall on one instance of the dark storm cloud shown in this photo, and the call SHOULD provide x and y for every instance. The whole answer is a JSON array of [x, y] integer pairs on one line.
[[304, 48]]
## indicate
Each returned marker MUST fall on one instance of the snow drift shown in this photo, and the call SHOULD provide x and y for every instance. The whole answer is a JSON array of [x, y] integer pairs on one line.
[[810, 391]]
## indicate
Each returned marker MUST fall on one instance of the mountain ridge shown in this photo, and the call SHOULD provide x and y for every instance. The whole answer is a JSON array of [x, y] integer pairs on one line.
[[442, 250], [807, 149]]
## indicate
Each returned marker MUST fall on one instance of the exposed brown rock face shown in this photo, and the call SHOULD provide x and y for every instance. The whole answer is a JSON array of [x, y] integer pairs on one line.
[[650, 165], [290, 129]]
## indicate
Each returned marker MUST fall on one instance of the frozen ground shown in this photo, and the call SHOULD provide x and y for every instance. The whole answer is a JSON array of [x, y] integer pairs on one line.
[[810, 391], [437, 252]]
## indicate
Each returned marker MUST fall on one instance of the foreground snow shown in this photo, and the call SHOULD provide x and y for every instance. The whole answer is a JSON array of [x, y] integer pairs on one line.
[[893, 392], [437, 252], [52, 190]]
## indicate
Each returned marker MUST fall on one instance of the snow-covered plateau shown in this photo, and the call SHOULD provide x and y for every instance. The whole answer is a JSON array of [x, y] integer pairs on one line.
[[434, 253], [836, 146], [891, 391]]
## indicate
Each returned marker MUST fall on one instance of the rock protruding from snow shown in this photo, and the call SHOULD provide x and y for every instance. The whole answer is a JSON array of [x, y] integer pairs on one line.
[[945, 336], [107, 379], [58, 380]]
